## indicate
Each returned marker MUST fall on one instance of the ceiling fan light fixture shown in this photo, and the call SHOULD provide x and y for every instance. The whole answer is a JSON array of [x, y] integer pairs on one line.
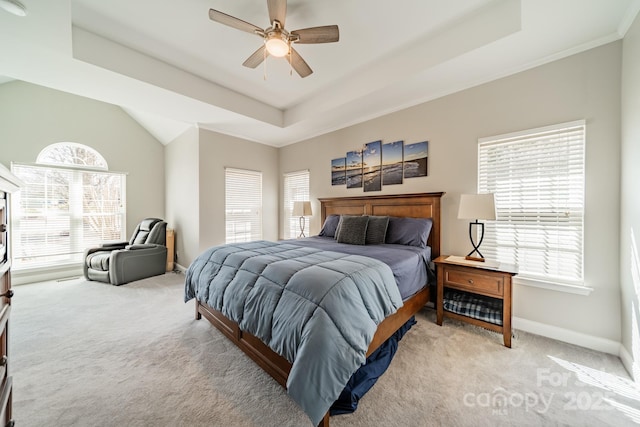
[[276, 40], [277, 47], [14, 7]]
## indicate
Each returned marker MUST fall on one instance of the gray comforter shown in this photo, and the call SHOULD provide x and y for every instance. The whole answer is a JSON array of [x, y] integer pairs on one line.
[[318, 309]]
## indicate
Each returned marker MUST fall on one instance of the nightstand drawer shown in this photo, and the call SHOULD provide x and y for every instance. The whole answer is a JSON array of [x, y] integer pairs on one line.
[[482, 283]]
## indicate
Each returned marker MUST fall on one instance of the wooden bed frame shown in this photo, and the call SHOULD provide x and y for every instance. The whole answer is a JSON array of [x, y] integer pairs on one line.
[[423, 205]]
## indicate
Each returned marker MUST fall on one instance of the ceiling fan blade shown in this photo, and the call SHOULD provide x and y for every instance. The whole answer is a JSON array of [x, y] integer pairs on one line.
[[325, 34], [256, 58], [277, 11], [234, 22], [299, 64]]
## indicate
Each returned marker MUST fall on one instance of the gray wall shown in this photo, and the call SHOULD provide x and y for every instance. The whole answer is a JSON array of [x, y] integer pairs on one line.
[[630, 207], [183, 190], [584, 86], [218, 151], [196, 187], [32, 117]]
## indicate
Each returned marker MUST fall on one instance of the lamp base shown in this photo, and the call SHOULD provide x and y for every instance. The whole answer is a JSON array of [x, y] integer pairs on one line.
[[302, 224], [476, 249]]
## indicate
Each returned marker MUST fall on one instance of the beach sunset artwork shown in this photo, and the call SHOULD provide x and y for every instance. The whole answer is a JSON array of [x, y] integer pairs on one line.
[[339, 171], [392, 163], [354, 169], [415, 159], [371, 166]]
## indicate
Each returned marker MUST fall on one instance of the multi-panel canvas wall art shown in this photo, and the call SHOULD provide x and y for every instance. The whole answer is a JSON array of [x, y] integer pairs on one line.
[[354, 169], [338, 171], [372, 165], [415, 159], [392, 163], [378, 164]]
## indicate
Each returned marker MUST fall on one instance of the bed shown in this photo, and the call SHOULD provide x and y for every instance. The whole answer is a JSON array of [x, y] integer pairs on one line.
[[372, 275]]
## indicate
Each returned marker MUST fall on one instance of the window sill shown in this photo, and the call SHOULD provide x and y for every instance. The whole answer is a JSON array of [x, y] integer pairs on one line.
[[560, 287], [62, 265], [27, 275]]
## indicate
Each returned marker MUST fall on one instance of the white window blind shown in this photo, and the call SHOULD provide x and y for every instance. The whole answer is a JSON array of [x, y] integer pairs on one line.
[[296, 188], [243, 211], [61, 211], [538, 180]]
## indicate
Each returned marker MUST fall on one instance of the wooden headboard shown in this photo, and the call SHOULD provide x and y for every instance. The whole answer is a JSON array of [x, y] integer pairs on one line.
[[421, 205]]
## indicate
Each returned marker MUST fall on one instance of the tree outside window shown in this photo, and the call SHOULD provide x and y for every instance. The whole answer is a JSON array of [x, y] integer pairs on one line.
[[70, 202]]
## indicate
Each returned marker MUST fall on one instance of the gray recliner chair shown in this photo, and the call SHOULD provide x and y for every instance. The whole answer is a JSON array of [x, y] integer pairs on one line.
[[144, 255]]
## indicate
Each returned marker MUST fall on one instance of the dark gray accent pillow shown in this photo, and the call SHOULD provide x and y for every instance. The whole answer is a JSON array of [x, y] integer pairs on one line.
[[330, 225], [376, 230], [352, 229], [409, 231]]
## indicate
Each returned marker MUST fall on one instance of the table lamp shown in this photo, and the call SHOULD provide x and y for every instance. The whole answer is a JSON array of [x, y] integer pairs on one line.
[[302, 209], [477, 206]]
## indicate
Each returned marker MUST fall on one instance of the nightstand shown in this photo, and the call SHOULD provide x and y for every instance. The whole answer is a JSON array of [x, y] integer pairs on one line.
[[475, 292]]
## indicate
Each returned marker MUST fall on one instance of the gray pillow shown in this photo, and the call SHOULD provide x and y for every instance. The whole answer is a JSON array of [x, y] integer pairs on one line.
[[409, 231], [376, 230], [330, 225], [352, 230]]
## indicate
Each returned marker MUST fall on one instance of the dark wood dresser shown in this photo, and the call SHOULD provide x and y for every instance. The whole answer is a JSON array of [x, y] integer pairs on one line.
[[8, 184]]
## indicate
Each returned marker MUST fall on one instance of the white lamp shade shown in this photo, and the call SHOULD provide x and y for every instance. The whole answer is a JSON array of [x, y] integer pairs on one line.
[[302, 208], [477, 206]]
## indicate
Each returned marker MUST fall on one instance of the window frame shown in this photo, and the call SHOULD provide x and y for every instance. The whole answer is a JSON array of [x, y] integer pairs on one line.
[[245, 216], [69, 211], [513, 203], [294, 194]]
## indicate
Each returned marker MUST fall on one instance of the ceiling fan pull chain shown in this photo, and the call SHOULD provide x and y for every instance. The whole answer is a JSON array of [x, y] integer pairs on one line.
[[264, 61], [290, 64]]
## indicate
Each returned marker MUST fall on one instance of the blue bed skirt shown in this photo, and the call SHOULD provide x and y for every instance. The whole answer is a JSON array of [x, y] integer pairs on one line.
[[367, 375]]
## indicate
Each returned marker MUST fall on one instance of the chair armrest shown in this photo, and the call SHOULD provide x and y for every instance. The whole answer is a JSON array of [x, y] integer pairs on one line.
[[129, 265], [99, 249], [114, 244], [141, 246]]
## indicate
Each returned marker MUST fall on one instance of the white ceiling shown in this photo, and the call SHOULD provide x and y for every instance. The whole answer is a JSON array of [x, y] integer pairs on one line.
[[170, 67]]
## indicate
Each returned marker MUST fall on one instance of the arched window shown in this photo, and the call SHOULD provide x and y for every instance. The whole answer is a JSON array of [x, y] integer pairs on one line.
[[70, 202], [72, 154]]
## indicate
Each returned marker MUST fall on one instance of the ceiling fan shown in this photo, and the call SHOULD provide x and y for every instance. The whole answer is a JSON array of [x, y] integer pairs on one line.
[[277, 40]]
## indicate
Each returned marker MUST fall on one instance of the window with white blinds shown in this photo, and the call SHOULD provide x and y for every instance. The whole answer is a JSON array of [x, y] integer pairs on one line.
[[64, 209], [296, 188], [243, 205], [538, 180]]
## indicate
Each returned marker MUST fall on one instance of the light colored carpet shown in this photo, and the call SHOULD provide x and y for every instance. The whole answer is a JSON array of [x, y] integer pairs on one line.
[[92, 354]]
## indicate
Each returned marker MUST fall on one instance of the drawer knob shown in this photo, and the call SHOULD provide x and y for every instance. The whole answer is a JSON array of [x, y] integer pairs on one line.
[[3, 360], [470, 281]]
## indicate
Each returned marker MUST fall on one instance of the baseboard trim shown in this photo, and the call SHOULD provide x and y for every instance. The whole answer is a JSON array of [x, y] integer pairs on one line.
[[632, 367], [180, 268], [566, 335]]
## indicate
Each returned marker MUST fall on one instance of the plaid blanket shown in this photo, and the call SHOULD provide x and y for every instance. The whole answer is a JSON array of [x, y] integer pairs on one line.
[[475, 306]]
